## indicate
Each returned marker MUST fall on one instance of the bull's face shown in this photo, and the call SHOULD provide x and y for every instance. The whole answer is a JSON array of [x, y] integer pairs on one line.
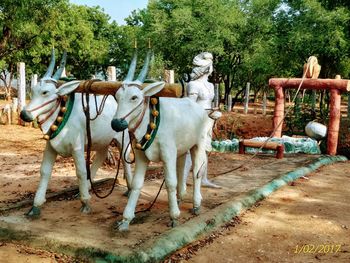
[[45, 93], [130, 99], [44, 98]]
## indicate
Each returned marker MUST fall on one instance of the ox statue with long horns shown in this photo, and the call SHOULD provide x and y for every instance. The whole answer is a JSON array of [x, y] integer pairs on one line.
[[61, 117], [163, 129]]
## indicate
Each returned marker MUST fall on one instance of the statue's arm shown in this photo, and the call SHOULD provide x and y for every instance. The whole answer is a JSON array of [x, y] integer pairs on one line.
[[192, 91]]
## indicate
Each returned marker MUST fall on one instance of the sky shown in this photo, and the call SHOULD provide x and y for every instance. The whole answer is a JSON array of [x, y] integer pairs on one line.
[[116, 9]]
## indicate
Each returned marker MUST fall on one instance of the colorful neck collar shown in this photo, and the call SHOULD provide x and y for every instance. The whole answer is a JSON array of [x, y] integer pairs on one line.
[[66, 106], [152, 127]]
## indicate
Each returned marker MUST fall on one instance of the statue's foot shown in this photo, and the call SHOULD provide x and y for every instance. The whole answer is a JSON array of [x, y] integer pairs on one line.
[[207, 183], [123, 225], [195, 210], [33, 213], [85, 208]]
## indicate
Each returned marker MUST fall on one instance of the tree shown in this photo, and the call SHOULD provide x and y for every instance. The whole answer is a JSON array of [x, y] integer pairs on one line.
[[306, 28], [21, 23], [181, 29]]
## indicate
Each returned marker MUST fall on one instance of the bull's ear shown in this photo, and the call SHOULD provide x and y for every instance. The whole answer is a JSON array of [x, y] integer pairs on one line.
[[153, 88], [67, 88]]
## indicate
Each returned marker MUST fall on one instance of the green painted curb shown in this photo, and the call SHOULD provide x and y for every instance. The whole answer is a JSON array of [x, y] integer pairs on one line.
[[182, 235]]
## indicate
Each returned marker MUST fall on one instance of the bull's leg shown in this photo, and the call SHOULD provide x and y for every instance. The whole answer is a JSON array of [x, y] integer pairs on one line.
[[186, 169], [100, 157], [125, 153], [181, 176], [199, 158], [141, 163], [168, 155], [80, 167], [45, 175]]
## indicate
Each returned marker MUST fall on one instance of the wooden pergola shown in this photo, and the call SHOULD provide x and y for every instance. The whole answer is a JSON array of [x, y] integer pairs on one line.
[[335, 86]]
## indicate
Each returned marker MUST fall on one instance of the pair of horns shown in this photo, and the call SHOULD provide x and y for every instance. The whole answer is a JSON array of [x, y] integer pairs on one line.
[[51, 67], [144, 71]]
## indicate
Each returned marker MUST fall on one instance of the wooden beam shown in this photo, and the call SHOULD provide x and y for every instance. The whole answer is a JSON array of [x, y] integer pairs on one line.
[[319, 84], [111, 87], [278, 147]]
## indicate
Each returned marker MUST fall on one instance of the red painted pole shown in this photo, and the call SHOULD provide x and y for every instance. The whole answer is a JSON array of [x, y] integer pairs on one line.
[[279, 112], [334, 122]]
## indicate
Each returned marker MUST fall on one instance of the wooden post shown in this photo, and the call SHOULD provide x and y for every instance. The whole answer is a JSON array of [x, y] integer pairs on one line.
[[64, 73], [21, 86], [111, 73], [264, 103], [334, 122], [313, 99], [7, 110], [279, 112], [14, 105], [216, 95], [34, 81], [169, 76], [246, 101], [348, 105], [229, 103]]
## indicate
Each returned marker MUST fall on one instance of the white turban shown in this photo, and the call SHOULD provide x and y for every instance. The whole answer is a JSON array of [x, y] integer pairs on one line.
[[202, 65]]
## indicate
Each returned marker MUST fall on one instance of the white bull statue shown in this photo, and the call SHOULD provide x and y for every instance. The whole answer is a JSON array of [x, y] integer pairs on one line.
[[62, 120], [164, 130]]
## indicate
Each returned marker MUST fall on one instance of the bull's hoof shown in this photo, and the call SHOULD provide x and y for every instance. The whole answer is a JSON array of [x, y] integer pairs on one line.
[[173, 223], [33, 213], [126, 193], [85, 208], [123, 225], [195, 211]]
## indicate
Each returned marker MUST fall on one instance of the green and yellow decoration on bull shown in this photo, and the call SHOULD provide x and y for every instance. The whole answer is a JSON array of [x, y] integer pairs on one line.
[[153, 125], [66, 106]]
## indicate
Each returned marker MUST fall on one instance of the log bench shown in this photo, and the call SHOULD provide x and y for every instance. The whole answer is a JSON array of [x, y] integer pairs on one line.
[[278, 147]]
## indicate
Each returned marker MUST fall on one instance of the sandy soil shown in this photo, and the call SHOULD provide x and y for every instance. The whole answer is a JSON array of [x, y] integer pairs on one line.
[[306, 221], [308, 212]]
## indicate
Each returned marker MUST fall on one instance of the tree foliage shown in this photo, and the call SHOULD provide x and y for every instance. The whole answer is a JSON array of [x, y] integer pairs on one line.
[[252, 40]]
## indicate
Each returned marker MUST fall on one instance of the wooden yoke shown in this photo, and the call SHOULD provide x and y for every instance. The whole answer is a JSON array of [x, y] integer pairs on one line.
[[111, 87]]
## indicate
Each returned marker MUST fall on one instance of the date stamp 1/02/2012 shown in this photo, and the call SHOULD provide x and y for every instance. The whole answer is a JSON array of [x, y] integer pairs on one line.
[[317, 249]]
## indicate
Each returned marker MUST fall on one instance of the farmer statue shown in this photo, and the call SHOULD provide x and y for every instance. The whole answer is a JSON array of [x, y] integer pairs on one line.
[[200, 90]]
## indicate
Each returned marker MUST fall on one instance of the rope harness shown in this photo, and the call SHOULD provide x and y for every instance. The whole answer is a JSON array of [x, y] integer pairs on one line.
[[86, 109]]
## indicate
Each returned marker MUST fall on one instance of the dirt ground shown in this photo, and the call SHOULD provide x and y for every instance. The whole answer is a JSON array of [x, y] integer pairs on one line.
[[313, 212], [306, 221]]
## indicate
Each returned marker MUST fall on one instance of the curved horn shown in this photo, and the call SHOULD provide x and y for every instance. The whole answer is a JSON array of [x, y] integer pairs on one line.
[[132, 68], [143, 74], [61, 68], [51, 66]]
